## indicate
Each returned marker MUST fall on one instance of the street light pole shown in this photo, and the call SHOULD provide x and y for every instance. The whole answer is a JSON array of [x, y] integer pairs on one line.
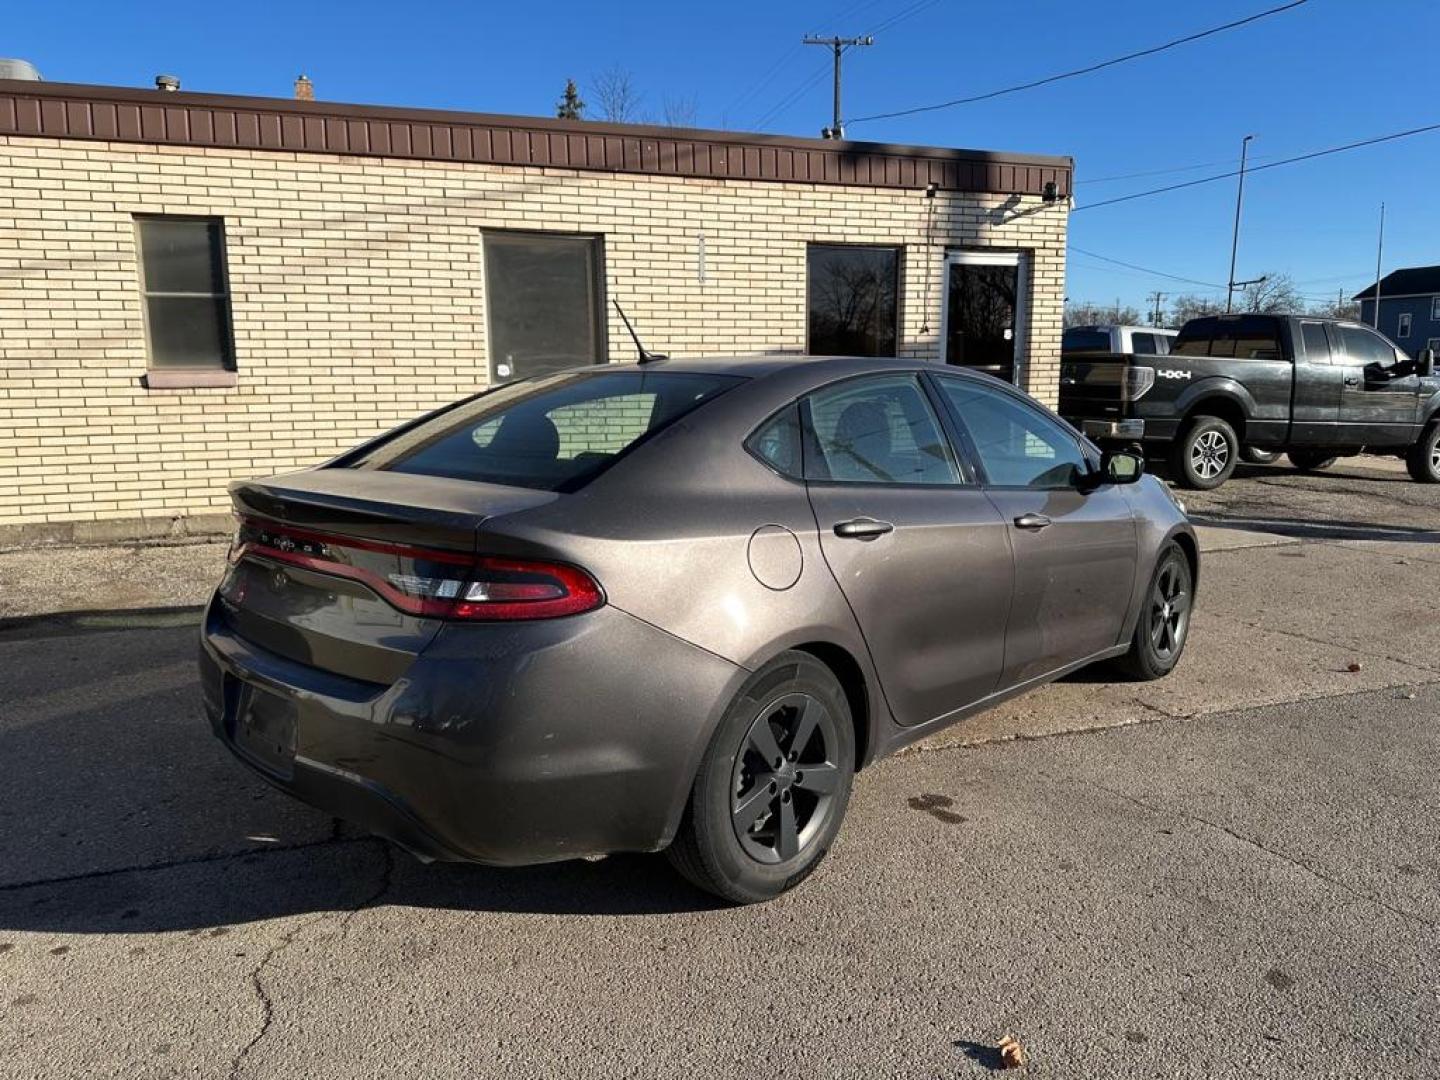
[[1379, 254], [1235, 238]]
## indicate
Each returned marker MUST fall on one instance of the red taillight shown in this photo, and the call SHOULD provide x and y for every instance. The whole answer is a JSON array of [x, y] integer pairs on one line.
[[429, 582]]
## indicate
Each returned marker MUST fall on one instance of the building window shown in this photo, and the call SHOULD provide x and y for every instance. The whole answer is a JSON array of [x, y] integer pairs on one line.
[[544, 303], [187, 297], [1433, 343], [854, 300], [1402, 328]]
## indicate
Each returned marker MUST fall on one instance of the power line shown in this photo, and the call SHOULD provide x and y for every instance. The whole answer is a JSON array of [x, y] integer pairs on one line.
[[1143, 269], [791, 97], [1092, 68], [1261, 168]]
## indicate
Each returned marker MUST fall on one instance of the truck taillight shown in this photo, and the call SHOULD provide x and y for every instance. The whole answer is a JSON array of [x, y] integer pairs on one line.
[[426, 581], [1138, 381]]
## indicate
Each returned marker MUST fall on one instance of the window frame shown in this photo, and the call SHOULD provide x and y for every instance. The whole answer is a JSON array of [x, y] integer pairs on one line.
[[972, 451], [596, 241], [966, 475], [1402, 326], [1435, 308], [898, 248], [195, 375]]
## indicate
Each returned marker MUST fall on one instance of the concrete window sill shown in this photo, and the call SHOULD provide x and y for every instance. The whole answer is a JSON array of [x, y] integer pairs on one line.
[[187, 380]]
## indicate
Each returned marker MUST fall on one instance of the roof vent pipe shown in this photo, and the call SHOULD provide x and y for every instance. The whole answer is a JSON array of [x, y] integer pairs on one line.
[[168, 83], [19, 69]]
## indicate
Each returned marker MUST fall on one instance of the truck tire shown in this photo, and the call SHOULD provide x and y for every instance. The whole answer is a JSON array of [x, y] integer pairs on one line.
[[1423, 459], [1204, 455], [1311, 460], [1256, 456]]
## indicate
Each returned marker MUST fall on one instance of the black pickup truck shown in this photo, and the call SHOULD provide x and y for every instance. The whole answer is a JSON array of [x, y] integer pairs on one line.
[[1316, 389]]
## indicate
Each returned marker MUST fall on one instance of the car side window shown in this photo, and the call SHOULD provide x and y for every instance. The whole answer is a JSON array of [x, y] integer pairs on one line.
[[777, 442], [876, 430], [1018, 445], [1364, 347], [1143, 343]]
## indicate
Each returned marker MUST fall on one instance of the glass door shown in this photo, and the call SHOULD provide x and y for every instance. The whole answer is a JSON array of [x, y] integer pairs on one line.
[[985, 312]]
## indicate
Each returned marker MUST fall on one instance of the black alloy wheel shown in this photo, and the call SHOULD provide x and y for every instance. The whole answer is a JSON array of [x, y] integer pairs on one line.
[[772, 788], [784, 780], [1164, 622]]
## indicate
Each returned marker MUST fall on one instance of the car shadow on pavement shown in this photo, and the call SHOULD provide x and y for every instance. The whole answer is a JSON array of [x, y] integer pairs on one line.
[[1320, 528], [121, 813]]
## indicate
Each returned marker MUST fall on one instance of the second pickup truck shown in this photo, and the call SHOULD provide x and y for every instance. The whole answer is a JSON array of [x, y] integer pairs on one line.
[[1315, 389]]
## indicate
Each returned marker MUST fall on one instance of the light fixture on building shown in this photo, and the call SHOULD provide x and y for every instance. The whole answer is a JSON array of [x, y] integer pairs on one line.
[[1050, 192], [931, 189], [168, 83]]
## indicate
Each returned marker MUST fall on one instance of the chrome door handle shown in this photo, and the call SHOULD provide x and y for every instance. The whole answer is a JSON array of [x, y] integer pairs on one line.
[[863, 528], [1035, 522]]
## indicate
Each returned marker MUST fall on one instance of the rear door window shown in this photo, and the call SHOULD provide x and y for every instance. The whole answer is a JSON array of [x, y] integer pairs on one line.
[[554, 433], [1317, 346], [878, 430]]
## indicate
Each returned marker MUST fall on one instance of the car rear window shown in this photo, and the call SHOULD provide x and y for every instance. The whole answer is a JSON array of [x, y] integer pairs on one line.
[[1082, 339], [553, 433], [1242, 337]]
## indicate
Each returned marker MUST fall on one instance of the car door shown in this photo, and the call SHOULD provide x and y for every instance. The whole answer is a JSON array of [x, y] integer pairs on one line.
[[1379, 401], [1316, 414], [919, 551], [1074, 547]]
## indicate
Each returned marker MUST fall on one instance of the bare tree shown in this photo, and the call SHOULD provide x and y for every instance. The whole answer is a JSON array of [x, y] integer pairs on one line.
[[1088, 313], [1190, 306], [615, 96], [679, 112], [1336, 309], [1275, 294]]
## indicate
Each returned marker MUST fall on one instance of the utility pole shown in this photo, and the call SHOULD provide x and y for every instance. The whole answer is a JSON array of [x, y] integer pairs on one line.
[[838, 45], [1235, 239], [1379, 251], [1156, 296]]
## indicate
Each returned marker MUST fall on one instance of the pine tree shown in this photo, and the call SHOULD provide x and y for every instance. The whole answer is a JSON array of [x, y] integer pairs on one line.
[[570, 107]]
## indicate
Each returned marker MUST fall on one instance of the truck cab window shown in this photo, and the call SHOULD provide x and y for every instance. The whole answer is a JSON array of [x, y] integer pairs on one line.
[[1317, 345]]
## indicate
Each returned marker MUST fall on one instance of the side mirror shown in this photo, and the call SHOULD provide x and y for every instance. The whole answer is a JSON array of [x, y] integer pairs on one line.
[[1124, 466], [1425, 366]]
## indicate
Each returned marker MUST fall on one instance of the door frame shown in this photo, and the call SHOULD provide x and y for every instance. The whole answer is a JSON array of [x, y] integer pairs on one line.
[[992, 257]]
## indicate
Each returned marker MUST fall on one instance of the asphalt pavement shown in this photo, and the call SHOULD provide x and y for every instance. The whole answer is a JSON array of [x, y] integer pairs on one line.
[[1232, 872]]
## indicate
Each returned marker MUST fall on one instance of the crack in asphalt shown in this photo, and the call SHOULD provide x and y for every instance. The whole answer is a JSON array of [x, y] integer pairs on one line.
[[1290, 860], [257, 982], [176, 864]]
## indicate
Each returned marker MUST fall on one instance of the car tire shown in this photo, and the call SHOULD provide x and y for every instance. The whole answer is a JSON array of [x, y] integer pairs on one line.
[[1256, 456], [786, 800], [1164, 623], [1423, 459], [1204, 456], [1311, 460]]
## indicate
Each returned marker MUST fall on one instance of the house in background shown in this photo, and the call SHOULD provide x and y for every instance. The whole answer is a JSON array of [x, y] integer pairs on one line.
[[1409, 307]]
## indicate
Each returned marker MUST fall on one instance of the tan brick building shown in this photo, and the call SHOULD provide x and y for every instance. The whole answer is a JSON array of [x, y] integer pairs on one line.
[[195, 288]]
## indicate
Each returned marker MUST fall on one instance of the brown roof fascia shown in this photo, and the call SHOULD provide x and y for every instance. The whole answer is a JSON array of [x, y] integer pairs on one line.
[[120, 114]]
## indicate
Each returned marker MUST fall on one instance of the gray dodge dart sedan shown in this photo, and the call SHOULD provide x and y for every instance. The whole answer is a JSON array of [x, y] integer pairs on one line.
[[675, 605]]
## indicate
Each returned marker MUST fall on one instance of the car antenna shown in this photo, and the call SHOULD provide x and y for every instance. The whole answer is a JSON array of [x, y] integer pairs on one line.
[[645, 356]]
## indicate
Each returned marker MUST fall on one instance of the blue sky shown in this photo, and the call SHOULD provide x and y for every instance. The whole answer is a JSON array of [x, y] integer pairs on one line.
[[1329, 72]]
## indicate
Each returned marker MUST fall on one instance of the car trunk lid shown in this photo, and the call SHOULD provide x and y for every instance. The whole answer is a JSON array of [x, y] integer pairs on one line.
[[351, 571]]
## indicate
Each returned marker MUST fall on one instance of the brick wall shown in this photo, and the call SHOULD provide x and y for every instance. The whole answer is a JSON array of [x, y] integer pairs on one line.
[[358, 299]]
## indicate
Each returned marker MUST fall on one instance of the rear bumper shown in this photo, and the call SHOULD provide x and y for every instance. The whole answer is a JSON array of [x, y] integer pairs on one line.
[[501, 744]]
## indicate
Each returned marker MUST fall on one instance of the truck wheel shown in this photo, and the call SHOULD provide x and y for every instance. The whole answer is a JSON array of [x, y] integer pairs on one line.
[[1257, 456], [1311, 460], [1423, 460], [1204, 456]]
